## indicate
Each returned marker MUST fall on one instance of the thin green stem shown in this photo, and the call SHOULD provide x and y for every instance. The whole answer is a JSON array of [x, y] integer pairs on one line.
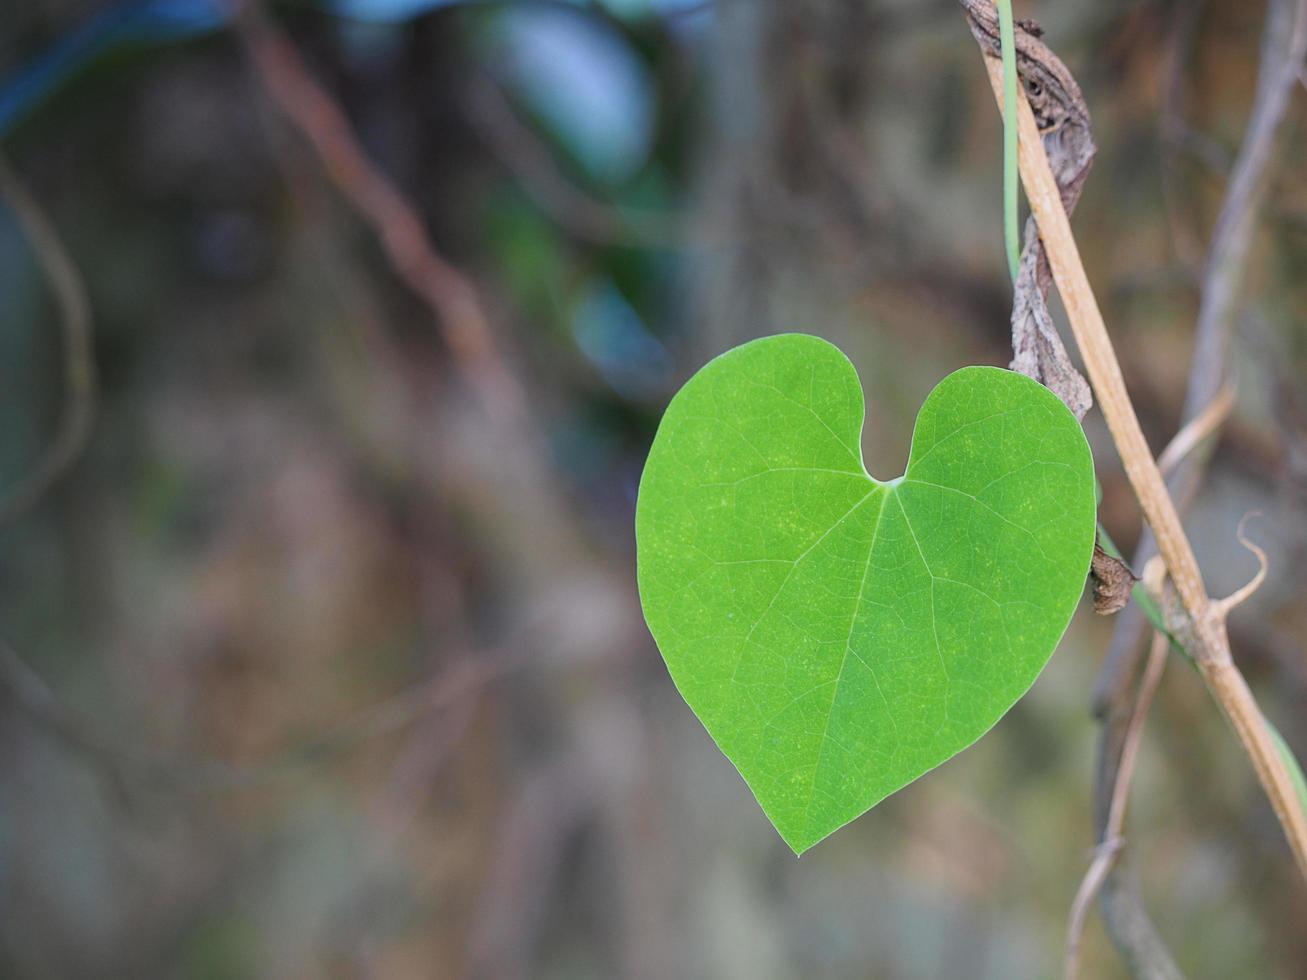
[[1007, 41]]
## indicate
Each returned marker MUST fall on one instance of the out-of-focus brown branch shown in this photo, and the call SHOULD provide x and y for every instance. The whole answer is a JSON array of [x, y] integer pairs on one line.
[[448, 691], [78, 363], [1178, 51], [448, 292], [128, 769]]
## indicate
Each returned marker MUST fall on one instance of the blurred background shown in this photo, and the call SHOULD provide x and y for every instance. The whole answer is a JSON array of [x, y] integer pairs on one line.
[[325, 657]]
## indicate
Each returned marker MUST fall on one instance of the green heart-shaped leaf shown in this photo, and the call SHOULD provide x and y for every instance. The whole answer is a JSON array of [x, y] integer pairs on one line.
[[837, 635]]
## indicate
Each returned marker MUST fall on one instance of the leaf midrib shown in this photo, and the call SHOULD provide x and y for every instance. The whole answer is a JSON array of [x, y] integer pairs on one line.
[[891, 491]]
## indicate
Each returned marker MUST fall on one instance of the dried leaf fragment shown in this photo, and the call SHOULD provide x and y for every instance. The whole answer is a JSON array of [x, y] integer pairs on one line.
[[1063, 117], [1112, 580]]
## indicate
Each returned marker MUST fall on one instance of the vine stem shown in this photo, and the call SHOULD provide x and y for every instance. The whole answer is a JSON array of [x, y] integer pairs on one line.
[[1008, 43], [1203, 621]]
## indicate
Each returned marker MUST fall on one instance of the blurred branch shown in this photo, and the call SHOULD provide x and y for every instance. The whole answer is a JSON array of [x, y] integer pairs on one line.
[[126, 770], [443, 692], [1112, 838], [519, 149], [1201, 427], [79, 363], [38, 703], [1178, 51], [1227, 262], [447, 291], [530, 848], [1127, 922]]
